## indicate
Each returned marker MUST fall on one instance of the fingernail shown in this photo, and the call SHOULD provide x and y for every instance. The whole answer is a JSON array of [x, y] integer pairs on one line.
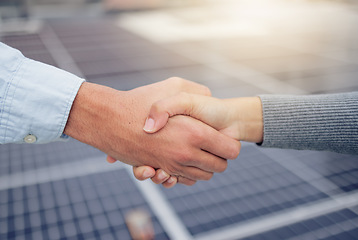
[[147, 174], [170, 180], [149, 125], [162, 175]]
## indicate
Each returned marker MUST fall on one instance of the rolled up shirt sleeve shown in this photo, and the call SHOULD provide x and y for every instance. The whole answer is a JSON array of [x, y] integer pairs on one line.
[[35, 99]]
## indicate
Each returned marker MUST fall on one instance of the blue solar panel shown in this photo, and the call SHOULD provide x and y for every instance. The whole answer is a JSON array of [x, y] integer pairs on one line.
[[15, 159], [78, 208], [338, 225], [253, 186], [93, 205], [341, 169]]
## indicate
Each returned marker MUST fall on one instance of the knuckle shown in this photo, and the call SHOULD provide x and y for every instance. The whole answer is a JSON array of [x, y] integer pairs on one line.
[[199, 137], [186, 99], [173, 170], [185, 157], [155, 107], [206, 91], [176, 80]]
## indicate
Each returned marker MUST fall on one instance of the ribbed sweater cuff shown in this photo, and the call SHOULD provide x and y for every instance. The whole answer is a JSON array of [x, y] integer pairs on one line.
[[316, 122]]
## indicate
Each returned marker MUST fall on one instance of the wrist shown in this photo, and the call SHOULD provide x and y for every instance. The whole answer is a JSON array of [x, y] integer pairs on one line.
[[88, 110], [248, 118], [109, 120]]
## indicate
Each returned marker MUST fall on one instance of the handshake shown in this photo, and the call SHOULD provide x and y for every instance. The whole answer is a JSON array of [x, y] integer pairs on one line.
[[171, 131]]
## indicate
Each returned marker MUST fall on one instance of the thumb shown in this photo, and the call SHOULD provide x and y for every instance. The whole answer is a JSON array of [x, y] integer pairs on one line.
[[162, 110], [111, 159]]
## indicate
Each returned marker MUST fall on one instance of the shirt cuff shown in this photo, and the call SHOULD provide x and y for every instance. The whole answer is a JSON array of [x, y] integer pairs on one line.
[[38, 103]]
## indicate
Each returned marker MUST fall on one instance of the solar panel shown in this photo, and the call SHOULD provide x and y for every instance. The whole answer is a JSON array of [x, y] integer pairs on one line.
[[253, 186], [67, 191], [338, 225], [75, 208]]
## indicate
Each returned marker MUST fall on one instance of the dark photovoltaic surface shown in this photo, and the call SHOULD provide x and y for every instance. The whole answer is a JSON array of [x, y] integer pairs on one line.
[[256, 185], [31, 157], [252, 187], [62, 190], [338, 225], [88, 207]]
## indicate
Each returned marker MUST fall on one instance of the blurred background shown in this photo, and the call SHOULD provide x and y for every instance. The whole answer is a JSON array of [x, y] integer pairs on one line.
[[235, 47]]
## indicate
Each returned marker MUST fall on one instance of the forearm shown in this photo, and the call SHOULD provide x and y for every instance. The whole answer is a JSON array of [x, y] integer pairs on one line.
[[88, 110]]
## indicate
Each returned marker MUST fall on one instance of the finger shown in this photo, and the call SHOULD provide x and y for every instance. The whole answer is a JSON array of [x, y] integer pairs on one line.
[[162, 110], [111, 159], [195, 173], [208, 162], [220, 144], [171, 182], [160, 176], [143, 172], [186, 181]]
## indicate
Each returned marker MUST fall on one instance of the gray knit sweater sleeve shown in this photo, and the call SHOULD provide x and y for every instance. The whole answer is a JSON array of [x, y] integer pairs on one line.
[[316, 122]]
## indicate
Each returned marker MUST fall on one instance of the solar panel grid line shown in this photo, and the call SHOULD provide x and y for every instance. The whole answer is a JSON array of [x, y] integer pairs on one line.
[[37, 156], [57, 172], [84, 50], [249, 201], [58, 52], [244, 73], [244, 177], [167, 216], [56, 216], [95, 67], [283, 218], [327, 230], [323, 184], [316, 228], [83, 43], [295, 165], [133, 49], [26, 43], [75, 27]]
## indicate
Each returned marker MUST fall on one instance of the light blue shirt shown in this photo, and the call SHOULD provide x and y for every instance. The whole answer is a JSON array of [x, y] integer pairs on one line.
[[35, 99]]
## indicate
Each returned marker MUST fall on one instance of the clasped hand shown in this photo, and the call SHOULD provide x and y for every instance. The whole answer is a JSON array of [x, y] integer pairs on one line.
[[186, 148], [237, 118]]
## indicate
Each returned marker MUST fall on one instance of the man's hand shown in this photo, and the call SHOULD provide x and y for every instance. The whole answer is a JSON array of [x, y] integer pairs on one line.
[[112, 121]]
